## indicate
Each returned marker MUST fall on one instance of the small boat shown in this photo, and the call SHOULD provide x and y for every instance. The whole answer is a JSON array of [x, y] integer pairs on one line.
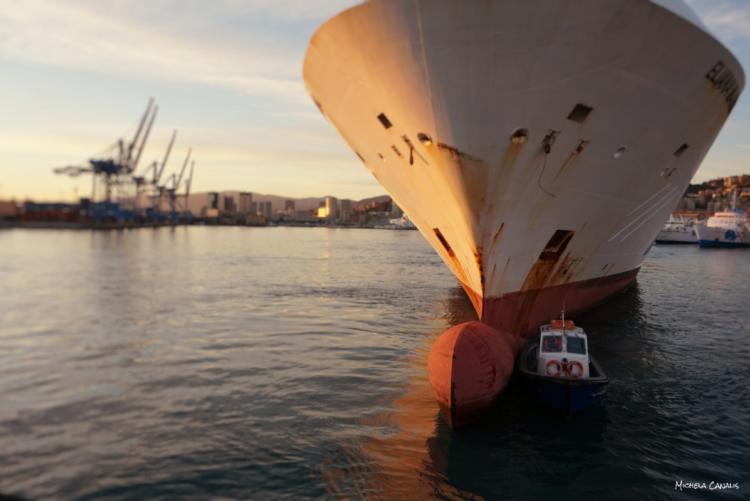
[[678, 230], [559, 369], [730, 228]]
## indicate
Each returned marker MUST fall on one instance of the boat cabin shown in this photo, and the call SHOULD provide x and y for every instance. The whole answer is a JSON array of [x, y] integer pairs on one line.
[[727, 220], [563, 351]]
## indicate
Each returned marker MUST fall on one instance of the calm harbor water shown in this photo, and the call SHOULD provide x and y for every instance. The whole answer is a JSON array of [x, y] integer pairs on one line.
[[272, 363]]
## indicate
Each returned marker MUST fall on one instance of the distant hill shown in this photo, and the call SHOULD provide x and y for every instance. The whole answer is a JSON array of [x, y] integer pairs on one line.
[[738, 181], [379, 200]]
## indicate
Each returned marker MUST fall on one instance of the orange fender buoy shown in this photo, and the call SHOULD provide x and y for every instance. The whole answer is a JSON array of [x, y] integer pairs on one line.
[[469, 365]]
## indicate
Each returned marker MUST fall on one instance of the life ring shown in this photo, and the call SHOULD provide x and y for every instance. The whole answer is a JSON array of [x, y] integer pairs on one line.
[[572, 372], [550, 364]]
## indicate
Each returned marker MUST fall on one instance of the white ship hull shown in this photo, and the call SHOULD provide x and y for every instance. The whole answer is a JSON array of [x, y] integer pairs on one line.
[[716, 236], [677, 231], [677, 237], [617, 104]]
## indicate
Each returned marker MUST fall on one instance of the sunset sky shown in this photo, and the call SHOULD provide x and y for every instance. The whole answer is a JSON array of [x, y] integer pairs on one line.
[[76, 75]]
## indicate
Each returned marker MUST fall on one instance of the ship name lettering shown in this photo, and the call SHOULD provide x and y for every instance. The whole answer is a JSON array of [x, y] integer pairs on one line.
[[725, 82]]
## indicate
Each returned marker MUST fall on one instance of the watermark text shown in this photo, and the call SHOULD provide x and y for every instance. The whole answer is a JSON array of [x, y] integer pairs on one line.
[[681, 485]]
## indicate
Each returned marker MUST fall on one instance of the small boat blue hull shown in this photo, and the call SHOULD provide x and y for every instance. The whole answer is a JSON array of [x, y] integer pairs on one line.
[[563, 394], [566, 397], [723, 244]]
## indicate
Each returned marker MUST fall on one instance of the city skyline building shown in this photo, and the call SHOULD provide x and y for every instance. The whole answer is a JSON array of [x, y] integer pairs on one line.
[[228, 204], [265, 209], [246, 201], [346, 210], [332, 208]]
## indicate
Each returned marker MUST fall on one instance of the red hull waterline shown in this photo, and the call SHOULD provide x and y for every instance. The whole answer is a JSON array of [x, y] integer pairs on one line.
[[521, 313], [470, 364]]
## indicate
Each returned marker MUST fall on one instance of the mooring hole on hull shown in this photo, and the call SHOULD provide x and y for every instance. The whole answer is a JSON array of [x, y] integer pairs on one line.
[[385, 122], [444, 242], [557, 244], [580, 113], [682, 149]]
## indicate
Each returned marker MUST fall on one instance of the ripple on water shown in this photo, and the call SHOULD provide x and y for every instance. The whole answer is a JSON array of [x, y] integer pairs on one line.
[[278, 362]]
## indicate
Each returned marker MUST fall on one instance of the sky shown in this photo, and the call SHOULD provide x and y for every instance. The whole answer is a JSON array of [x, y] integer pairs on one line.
[[75, 75]]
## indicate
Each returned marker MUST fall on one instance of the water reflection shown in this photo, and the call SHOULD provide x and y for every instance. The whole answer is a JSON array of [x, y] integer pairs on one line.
[[408, 448], [457, 307], [273, 362]]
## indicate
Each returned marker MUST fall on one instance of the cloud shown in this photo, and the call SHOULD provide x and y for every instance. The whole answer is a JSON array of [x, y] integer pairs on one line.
[[286, 10], [166, 40], [726, 19]]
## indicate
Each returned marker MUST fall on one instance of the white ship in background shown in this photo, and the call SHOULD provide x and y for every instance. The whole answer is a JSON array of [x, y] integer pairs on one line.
[[725, 229], [402, 223], [730, 228], [538, 145], [678, 230]]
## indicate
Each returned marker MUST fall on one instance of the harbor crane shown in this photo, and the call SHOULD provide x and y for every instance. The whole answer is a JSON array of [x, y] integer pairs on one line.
[[176, 182], [117, 163], [155, 169], [117, 168]]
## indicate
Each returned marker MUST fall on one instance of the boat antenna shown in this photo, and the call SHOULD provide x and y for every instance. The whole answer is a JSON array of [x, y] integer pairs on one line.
[[563, 319]]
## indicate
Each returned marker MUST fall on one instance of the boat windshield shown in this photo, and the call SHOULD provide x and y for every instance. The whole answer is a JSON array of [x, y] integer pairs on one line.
[[552, 344], [576, 345]]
